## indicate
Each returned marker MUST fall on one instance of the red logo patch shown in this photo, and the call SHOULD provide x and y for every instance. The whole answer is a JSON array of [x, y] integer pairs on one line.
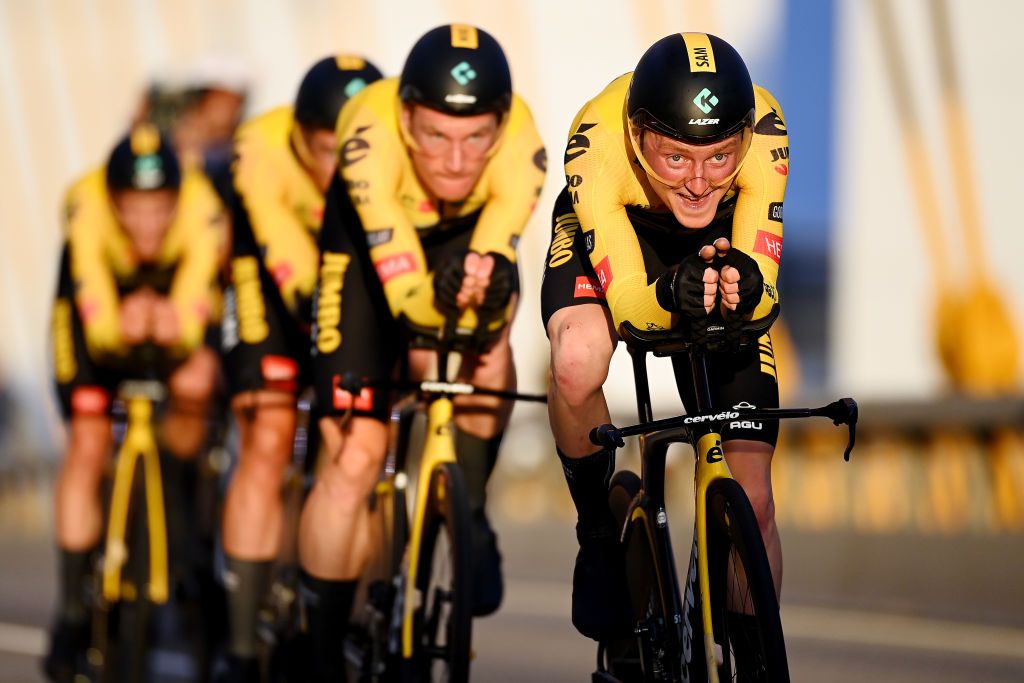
[[282, 271], [90, 400], [426, 206], [782, 169], [279, 372], [343, 400], [587, 287], [87, 310], [604, 274], [396, 265], [768, 244]]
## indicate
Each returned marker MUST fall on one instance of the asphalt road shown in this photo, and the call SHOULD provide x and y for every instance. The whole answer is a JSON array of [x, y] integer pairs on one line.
[[855, 608]]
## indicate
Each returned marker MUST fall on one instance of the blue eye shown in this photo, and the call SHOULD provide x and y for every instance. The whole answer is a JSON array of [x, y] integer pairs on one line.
[[676, 158]]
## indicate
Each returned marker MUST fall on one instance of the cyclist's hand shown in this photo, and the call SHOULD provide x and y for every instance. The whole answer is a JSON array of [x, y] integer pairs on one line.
[[448, 279], [741, 282], [478, 269], [691, 287], [135, 316], [504, 278], [166, 327]]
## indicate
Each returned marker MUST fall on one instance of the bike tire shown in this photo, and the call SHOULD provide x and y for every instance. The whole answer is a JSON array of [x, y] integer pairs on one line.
[[735, 549], [443, 621], [656, 652]]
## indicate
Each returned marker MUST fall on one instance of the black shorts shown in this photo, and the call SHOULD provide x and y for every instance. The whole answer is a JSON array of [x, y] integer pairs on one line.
[[354, 332], [264, 346], [569, 278]]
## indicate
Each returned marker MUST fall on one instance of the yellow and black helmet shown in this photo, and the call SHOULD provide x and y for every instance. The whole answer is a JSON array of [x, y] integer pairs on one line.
[[693, 87], [328, 85], [459, 70], [143, 160]]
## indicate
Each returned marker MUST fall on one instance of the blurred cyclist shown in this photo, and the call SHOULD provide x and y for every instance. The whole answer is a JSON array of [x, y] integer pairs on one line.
[[285, 161], [139, 267], [662, 164], [440, 171]]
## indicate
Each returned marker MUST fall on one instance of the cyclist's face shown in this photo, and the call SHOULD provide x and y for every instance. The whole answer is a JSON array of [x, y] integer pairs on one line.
[[700, 175], [145, 216], [449, 152], [322, 149]]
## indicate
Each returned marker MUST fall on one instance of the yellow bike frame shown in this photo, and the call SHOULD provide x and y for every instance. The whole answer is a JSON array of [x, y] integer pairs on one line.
[[711, 466], [139, 444], [439, 448]]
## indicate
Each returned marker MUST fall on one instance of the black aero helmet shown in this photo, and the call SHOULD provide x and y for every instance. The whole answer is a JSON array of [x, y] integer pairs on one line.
[[459, 70], [692, 87], [143, 160], [328, 85]]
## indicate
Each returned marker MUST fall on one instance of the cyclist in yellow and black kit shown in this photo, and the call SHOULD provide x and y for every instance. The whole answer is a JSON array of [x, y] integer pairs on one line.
[[672, 213], [285, 159], [440, 171], [139, 269]]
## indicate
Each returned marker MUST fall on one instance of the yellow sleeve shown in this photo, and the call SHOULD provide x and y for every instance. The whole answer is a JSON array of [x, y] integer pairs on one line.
[[516, 181], [371, 167], [757, 223], [291, 255], [197, 271], [596, 185], [88, 219]]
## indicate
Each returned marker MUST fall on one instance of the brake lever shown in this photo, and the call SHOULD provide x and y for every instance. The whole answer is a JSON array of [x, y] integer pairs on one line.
[[607, 436], [844, 411]]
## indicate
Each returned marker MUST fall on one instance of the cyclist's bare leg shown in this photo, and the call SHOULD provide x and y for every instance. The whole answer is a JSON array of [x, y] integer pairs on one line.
[[485, 416], [253, 506], [79, 508], [191, 387], [333, 534], [751, 465], [582, 341]]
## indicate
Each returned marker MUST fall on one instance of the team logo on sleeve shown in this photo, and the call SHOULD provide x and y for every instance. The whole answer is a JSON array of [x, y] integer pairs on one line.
[[604, 273], [375, 238], [393, 266], [775, 211], [588, 241], [587, 287], [768, 244], [355, 148], [579, 143], [770, 124], [566, 226]]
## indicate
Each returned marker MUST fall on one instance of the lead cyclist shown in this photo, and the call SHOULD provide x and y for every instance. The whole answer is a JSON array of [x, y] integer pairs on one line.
[[672, 212]]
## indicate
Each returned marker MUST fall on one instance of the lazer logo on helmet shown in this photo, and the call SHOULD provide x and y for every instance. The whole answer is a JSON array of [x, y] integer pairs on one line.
[[459, 98], [703, 122], [463, 73], [705, 101]]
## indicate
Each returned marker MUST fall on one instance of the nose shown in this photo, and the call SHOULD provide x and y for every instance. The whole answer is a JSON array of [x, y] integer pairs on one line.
[[454, 160], [697, 185]]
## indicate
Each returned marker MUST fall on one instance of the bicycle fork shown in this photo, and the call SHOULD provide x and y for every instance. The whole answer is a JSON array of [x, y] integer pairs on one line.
[[139, 443], [438, 448]]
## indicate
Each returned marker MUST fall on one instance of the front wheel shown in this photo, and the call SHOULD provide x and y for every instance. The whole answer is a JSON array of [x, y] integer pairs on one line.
[[745, 609], [443, 620]]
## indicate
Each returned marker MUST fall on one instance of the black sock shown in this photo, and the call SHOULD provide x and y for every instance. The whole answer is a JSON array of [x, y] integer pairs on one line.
[[246, 583], [744, 637], [75, 570], [327, 605], [477, 457], [588, 479]]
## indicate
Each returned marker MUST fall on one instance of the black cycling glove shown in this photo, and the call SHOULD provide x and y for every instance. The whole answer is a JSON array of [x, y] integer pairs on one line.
[[751, 283], [680, 289], [448, 277]]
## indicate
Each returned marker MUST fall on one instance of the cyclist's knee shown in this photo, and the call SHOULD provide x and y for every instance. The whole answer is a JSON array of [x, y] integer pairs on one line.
[[196, 380], [348, 478], [763, 503], [89, 443], [264, 455], [580, 355]]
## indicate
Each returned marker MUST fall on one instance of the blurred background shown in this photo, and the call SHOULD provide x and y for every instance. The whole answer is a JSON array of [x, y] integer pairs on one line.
[[900, 286]]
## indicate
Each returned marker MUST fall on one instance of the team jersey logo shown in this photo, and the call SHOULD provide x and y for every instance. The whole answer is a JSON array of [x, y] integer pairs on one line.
[[587, 288], [463, 73], [768, 244], [705, 101], [393, 266], [770, 124]]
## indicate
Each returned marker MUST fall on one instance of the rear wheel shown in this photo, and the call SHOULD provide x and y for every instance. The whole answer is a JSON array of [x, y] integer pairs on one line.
[[443, 620], [745, 609]]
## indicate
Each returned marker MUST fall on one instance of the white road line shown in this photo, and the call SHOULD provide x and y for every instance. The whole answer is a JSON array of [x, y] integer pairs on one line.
[[550, 599], [22, 640]]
